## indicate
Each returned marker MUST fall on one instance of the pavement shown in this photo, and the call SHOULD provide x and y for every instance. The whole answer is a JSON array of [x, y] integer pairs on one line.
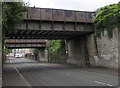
[[25, 72], [11, 76]]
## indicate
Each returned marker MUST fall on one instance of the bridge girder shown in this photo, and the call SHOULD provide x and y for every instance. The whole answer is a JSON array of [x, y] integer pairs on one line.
[[23, 43], [40, 23]]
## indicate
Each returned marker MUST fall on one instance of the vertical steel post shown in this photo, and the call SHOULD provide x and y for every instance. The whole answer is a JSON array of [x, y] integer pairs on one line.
[[1, 44]]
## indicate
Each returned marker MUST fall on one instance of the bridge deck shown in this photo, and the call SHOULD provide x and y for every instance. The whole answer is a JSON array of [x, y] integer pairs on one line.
[[41, 23], [46, 14]]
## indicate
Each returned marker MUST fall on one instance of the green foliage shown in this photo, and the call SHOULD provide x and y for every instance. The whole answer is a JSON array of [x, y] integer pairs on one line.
[[36, 51], [12, 14], [107, 18], [56, 49], [7, 51], [53, 46], [0, 14]]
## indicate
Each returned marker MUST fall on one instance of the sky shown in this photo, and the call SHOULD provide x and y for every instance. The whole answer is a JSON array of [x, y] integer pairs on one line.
[[81, 5]]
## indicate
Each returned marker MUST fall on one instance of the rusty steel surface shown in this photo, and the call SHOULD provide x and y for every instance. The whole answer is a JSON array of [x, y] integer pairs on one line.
[[46, 14], [58, 15], [80, 17], [26, 41], [89, 16], [34, 13], [45, 23], [69, 16]]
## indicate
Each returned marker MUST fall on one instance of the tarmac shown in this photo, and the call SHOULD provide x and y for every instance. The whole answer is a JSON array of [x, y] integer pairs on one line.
[[10, 71]]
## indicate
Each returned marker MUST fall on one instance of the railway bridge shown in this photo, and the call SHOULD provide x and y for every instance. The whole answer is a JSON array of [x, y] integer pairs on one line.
[[25, 43], [44, 23], [75, 27], [28, 43]]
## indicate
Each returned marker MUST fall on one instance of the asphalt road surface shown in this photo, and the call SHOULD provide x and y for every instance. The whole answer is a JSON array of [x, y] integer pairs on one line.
[[34, 73]]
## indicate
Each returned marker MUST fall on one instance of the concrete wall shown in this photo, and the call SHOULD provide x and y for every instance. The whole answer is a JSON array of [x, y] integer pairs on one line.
[[119, 49], [1, 45], [103, 52], [76, 52], [1, 53], [42, 55]]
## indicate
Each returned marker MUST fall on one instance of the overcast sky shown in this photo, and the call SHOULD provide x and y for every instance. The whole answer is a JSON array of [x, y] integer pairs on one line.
[[83, 5]]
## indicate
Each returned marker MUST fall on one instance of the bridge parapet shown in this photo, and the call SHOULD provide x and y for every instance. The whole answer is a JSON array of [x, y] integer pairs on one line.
[[46, 14]]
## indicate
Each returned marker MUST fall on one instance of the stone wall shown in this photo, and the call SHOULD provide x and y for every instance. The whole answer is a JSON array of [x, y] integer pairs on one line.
[[103, 52], [98, 52]]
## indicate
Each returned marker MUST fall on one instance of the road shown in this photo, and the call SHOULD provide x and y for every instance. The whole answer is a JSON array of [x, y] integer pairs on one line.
[[34, 73]]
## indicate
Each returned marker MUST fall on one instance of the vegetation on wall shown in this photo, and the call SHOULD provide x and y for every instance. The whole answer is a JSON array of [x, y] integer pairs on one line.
[[0, 14], [107, 18]]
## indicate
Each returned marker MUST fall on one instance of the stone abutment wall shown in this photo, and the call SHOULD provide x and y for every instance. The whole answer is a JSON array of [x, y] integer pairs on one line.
[[89, 50], [107, 50]]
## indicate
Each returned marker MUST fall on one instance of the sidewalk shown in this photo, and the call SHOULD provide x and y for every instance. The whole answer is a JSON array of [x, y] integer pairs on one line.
[[11, 77], [102, 70]]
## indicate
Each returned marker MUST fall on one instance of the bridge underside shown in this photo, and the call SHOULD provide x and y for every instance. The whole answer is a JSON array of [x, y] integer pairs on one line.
[[49, 30], [31, 34]]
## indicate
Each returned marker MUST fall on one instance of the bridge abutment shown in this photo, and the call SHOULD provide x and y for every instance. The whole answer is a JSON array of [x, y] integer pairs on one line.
[[1, 45], [42, 57], [82, 50], [76, 52], [107, 50]]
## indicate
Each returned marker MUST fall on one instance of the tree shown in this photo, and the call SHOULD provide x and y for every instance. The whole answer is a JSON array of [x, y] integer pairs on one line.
[[56, 49], [7, 51], [107, 18], [11, 14], [53, 46], [36, 53]]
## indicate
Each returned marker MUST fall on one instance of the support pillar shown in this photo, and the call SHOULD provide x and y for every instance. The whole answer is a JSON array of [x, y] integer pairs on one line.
[[42, 55], [76, 52], [92, 49], [62, 53], [1, 45]]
